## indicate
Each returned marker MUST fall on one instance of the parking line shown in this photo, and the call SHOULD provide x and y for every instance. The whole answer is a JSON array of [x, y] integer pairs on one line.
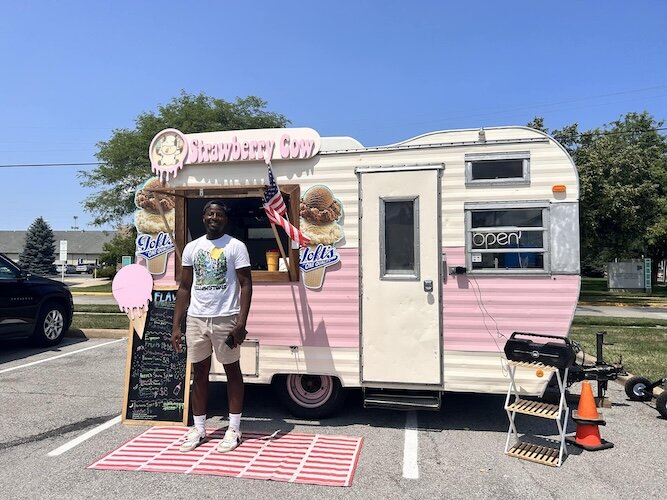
[[58, 356], [77, 441], [411, 447]]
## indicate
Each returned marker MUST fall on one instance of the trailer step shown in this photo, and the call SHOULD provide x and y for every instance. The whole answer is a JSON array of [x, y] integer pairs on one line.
[[402, 400], [535, 408], [536, 453]]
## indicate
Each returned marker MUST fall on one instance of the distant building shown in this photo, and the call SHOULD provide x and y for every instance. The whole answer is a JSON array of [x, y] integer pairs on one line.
[[83, 247]]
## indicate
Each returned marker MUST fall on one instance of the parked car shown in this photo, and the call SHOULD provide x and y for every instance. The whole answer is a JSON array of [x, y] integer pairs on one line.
[[69, 269], [33, 306], [85, 268]]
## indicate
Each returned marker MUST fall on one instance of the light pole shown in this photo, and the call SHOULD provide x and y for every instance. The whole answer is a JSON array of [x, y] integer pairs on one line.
[[75, 226]]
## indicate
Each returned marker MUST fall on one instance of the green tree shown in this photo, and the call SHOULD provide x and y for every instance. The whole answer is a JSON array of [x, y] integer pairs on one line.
[[124, 157], [623, 187], [123, 243], [39, 250]]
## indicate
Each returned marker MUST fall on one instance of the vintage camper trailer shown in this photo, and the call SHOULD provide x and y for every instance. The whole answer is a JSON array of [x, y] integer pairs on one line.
[[424, 256]]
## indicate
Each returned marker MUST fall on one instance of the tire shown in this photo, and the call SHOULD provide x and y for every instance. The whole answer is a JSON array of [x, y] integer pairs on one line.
[[661, 404], [51, 325], [309, 396], [634, 389]]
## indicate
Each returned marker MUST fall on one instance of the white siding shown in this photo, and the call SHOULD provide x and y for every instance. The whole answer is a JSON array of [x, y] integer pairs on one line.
[[549, 165]]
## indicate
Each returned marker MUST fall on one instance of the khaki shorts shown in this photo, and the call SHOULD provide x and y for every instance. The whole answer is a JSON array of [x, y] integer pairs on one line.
[[206, 335]]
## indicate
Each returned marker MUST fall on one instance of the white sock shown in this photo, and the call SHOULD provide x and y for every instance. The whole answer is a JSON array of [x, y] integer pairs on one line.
[[200, 423], [235, 421]]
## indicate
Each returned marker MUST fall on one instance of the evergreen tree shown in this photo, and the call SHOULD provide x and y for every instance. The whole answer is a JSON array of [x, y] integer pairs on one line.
[[39, 251]]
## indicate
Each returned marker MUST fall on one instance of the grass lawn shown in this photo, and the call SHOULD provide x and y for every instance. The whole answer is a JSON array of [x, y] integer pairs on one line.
[[103, 316], [642, 343], [594, 292], [102, 321], [104, 287]]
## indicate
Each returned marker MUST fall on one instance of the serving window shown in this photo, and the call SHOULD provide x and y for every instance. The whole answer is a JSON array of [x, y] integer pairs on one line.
[[502, 238], [247, 222]]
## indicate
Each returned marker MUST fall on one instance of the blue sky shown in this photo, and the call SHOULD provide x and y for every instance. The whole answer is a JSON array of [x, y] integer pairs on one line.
[[379, 71]]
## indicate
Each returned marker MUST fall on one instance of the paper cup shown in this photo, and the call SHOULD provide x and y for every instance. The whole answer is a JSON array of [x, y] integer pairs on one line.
[[272, 260]]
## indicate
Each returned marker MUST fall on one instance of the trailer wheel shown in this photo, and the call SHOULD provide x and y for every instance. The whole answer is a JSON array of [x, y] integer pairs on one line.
[[634, 389], [661, 404], [309, 396]]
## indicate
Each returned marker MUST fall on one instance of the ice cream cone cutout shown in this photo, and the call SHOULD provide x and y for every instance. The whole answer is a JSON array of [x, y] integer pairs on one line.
[[320, 212], [588, 418], [132, 288], [154, 221]]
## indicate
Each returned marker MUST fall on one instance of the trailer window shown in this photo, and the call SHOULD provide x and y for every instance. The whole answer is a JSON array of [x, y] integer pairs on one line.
[[248, 222], [498, 168], [502, 240], [399, 238]]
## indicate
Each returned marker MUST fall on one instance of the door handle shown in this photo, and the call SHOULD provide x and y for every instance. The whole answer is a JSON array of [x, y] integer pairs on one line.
[[428, 285]]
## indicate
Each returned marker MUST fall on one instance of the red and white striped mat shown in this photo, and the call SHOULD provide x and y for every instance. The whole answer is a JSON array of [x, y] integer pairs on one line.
[[289, 457]]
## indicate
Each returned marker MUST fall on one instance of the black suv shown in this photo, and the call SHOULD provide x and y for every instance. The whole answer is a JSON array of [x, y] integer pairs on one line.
[[32, 306]]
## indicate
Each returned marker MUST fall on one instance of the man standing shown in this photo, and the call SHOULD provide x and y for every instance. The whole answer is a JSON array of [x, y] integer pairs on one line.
[[217, 301]]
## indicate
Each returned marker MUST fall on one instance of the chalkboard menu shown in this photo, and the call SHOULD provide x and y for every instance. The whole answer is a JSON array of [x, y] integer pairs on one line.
[[157, 378]]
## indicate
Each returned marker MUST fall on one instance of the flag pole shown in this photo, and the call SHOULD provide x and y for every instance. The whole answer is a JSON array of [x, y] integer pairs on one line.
[[282, 251]]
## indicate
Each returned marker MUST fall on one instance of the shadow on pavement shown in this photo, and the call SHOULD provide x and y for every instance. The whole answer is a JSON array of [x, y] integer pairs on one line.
[[14, 350]]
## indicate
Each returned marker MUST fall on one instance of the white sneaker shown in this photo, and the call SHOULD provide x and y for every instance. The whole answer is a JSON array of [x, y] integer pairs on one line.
[[231, 440], [192, 439]]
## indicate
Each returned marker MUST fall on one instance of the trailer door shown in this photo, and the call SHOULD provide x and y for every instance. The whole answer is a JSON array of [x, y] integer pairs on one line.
[[400, 274]]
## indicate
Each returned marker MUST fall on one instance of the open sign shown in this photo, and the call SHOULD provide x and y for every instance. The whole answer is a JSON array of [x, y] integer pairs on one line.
[[502, 239]]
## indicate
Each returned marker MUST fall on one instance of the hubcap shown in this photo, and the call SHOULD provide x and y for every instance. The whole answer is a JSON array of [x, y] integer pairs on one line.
[[53, 324], [310, 391]]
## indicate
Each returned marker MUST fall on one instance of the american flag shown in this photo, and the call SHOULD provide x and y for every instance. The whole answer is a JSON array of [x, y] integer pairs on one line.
[[275, 207], [293, 233], [273, 197]]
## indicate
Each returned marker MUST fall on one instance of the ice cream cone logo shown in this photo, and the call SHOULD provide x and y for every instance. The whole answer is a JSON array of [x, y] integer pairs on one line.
[[154, 220], [167, 151], [320, 212], [313, 262]]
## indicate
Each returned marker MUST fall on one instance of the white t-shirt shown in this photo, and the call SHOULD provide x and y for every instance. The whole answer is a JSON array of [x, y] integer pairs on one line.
[[215, 289]]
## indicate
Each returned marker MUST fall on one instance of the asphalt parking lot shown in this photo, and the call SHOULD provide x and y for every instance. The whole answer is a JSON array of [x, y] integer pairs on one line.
[[52, 398]]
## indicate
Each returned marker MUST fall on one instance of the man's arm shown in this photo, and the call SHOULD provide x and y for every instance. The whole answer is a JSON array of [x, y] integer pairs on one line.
[[244, 277], [182, 302]]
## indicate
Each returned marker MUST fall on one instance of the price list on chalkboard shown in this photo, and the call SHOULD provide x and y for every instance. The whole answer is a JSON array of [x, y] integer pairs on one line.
[[157, 376]]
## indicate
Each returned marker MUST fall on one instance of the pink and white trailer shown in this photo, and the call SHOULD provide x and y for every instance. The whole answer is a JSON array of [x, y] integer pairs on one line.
[[424, 257]]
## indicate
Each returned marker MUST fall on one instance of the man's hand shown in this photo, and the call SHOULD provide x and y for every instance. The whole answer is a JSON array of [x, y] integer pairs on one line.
[[238, 333], [176, 340]]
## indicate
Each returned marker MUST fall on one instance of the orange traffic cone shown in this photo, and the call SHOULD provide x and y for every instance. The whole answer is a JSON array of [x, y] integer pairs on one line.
[[588, 419]]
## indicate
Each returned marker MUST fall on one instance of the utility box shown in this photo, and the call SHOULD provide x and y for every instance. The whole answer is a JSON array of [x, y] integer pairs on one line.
[[626, 275]]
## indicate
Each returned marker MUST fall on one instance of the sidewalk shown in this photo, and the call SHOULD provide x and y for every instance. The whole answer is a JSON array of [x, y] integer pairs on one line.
[[622, 311]]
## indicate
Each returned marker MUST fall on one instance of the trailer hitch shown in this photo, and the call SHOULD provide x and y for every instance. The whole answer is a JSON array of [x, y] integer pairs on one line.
[[601, 371]]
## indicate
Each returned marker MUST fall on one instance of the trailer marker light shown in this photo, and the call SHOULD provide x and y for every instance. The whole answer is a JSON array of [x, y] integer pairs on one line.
[[558, 188]]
